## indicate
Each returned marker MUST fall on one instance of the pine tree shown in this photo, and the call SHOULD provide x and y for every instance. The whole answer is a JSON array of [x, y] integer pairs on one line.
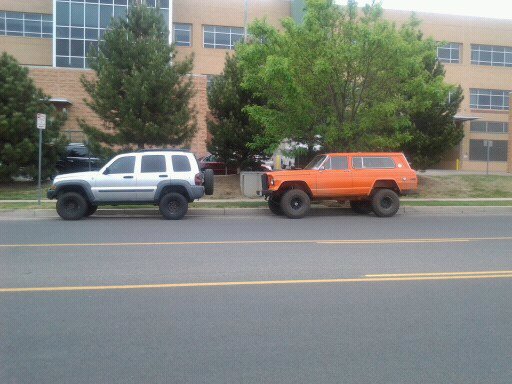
[[231, 128], [141, 92], [20, 102]]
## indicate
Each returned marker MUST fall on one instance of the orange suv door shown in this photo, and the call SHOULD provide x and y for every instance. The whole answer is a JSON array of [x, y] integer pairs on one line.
[[334, 178]]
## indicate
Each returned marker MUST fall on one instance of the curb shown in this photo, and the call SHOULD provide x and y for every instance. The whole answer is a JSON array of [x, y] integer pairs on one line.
[[262, 211]]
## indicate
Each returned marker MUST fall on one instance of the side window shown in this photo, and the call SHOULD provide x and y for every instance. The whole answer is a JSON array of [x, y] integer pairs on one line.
[[378, 162], [339, 163], [152, 163], [123, 165], [357, 162], [327, 163], [180, 163], [373, 162]]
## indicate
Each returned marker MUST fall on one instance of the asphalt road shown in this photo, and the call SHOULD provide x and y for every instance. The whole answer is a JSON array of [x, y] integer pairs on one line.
[[325, 299]]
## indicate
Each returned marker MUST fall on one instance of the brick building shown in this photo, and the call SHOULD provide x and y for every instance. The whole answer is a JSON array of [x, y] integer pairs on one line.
[[51, 38]]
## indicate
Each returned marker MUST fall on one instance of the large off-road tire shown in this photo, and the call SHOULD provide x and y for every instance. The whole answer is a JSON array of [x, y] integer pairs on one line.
[[295, 203], [91, 209], [385, 203], [72, 206], [274, 206], [173, 206], [361, 207], [208, 181]]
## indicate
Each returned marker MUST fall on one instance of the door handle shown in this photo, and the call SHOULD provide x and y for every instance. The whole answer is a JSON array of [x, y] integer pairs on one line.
[[127, 177], [162, 175]]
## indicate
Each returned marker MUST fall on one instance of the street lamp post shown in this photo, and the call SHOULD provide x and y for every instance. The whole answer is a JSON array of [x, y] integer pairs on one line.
[[245, 18]]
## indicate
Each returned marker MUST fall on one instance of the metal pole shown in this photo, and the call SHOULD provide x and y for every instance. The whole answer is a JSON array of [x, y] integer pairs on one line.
[[488, 155], [40, 160], [245, 19]]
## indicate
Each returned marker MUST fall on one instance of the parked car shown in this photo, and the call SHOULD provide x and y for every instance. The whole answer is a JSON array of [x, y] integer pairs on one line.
[[169, 179], [372, 182], [78, 158], [219, 167]]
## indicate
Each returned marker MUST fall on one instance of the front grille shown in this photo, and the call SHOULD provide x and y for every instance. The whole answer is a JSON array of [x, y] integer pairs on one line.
[[264, 182]]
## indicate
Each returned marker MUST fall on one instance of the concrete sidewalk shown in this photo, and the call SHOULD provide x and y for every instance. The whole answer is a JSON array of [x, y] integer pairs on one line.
[[247, 200], [261, 211]]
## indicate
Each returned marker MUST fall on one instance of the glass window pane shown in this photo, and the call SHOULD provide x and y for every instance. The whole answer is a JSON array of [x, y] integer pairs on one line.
[[62, 47], [153, 163], [14, 25], [106, 13], [180, 163], [62, 31], [32, 26], [91, 34], [339, 162], [47, 27], [209, 38], [120, 12], [77, 48], [62, 61], [123, 165], [77, 33], [477, 126], [91, 15], [77, 15]]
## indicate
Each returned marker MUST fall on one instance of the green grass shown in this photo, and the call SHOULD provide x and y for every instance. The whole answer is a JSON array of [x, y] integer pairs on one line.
[[22, 191], [503, 203], [465, 186]]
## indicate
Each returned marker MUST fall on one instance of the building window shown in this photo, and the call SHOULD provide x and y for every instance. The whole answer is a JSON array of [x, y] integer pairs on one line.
[[26, 24], [221, 37], [80, 24], [478, 151], [488, 127], [182, 34], [491, 55], [490, 99], [449, 53]]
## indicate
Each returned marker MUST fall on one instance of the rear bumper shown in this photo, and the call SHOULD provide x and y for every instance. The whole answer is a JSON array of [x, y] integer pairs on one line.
[[196, 192]]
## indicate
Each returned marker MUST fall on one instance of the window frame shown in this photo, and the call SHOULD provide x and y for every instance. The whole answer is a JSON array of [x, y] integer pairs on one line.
[[475, 95], [26, 19], [372, 157], [478, 50], [189, 31], [450, 48], [214, 30]]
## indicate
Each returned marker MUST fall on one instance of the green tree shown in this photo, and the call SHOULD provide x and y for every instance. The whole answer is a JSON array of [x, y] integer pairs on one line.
[[230, 126], [20, 102], [345, 77], [140, 91], [433, 129]]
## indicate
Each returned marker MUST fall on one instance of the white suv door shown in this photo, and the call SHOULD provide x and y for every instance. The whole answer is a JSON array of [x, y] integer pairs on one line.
[[118, 181], [153, 169]]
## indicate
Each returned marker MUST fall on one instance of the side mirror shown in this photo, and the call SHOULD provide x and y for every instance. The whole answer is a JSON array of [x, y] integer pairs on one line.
[[106, 171], [322, 168]]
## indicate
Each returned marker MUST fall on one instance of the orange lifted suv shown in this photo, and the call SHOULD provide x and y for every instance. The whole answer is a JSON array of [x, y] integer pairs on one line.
[[372, 182]]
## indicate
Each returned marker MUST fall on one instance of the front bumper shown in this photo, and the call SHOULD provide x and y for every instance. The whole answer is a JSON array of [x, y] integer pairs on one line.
[[51, 194]]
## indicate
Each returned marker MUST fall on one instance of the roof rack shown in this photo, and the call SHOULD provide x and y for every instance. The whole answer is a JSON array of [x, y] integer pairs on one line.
[[163, 150]]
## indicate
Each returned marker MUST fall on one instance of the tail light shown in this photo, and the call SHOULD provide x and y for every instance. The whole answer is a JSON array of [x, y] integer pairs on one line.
[[198, 179]]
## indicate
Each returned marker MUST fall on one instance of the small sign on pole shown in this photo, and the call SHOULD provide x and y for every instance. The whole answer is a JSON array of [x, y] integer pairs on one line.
[[41, 121], [41, 124]]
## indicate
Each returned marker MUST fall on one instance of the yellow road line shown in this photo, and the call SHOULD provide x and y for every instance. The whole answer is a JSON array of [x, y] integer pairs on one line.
[[248, 242], [438, 274], [249, 283]]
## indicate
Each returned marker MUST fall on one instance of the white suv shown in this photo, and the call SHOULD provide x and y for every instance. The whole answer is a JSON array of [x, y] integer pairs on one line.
[[168, 178]]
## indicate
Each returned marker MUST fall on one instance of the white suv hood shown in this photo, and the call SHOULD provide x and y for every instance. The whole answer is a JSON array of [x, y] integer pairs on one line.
[[75, 176]]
